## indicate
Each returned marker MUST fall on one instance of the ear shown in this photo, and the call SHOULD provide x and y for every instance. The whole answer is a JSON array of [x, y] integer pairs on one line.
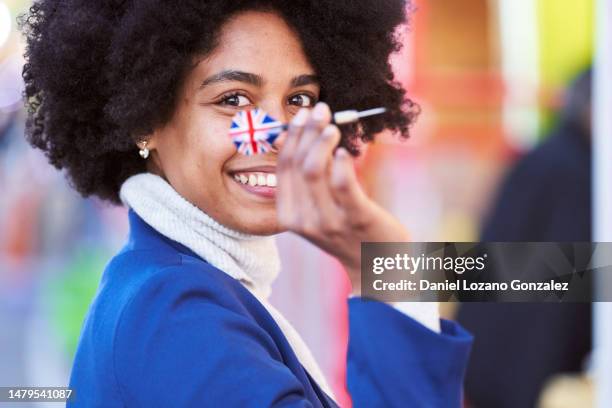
[[149, 140]]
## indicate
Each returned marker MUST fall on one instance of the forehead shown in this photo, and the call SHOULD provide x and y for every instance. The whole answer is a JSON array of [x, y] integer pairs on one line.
[[258, 42]]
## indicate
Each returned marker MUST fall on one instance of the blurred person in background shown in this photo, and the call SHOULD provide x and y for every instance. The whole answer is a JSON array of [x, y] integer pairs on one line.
[[545, 197], [134, 100]]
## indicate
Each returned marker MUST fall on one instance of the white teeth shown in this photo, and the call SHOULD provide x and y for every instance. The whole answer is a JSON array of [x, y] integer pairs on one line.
[[256, 179], [271, 180]]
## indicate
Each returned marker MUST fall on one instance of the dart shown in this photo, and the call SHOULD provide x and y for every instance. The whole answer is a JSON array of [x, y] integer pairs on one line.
[[254, 131]]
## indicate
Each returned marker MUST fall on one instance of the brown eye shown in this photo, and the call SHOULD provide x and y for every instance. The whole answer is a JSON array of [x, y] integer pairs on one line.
[[302, 100], [236, 100]]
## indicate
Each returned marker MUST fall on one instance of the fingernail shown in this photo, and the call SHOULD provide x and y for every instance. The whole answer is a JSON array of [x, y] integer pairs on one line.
[[341, 153], [300, 118], [319, 111], [328, 132]]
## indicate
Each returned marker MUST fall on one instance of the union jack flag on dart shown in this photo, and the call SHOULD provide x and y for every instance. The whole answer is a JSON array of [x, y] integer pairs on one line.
[[254, 131]]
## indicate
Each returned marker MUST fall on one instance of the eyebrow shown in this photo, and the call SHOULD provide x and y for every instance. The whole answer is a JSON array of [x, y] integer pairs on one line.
[[232, 75], [304, 80], [254, 79]]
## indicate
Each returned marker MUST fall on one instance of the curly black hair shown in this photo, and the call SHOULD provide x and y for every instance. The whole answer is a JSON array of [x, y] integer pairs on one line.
[[101, 74]]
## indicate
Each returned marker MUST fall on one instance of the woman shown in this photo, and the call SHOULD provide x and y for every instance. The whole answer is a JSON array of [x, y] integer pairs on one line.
[[134, 100]]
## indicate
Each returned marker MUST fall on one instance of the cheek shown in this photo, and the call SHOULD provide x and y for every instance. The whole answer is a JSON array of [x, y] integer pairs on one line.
[[208, 150], [212, 144]]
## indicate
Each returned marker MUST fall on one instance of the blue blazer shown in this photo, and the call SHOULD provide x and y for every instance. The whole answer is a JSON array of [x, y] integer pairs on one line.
[[167, 329]]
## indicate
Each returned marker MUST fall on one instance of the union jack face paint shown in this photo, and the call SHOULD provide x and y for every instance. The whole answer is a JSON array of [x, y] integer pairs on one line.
[[254, 131]]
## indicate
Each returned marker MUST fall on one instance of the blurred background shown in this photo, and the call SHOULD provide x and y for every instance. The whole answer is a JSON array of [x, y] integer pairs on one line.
[[504, 89]]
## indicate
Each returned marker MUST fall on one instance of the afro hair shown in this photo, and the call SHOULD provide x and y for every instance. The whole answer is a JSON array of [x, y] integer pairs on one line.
[[101, 74]]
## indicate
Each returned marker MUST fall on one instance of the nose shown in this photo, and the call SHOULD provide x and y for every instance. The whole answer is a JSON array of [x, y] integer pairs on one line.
[[278, 112]]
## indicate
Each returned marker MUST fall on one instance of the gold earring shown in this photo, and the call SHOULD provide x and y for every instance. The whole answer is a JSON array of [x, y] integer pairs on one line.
[[144, 151]]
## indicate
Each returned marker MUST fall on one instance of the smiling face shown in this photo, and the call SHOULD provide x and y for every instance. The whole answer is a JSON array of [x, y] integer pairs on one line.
[[259, 62]]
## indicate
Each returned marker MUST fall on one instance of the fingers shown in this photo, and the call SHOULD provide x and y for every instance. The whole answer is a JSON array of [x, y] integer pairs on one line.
[[315, 171], [303, 129], [312, 160], [316, 190], [304, 201], [318, 120], [291, 138], [344, 184], [318, 159], [287, 205]]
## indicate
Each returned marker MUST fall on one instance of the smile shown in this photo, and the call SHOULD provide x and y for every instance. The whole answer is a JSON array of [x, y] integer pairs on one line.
[[255, 179]]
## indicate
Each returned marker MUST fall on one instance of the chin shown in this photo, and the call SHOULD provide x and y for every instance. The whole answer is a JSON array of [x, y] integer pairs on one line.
[[264, 229], [259, 224]]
